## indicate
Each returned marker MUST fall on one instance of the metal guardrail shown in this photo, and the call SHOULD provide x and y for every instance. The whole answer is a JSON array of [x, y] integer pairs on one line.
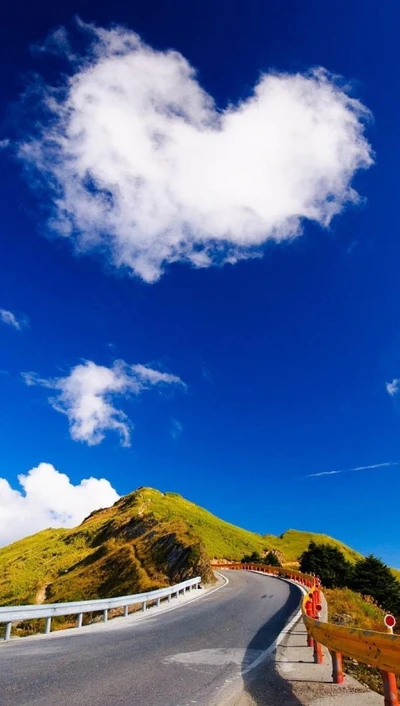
[[12, 614], [370, 647], [304, 579], [373, 648]]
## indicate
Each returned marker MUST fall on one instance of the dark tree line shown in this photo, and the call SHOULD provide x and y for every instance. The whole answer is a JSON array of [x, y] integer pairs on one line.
[[369, 576], [270, 559]]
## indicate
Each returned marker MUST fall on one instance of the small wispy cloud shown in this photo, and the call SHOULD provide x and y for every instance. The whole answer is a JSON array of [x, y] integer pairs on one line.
[[176, 428], [351, 470], [9, 318], [393, 387]]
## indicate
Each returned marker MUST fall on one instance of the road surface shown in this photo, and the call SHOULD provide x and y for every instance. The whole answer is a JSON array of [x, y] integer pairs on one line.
[[187, 656]]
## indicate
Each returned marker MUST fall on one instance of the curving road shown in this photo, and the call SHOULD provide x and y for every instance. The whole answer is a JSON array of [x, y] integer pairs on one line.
[[187, 656]]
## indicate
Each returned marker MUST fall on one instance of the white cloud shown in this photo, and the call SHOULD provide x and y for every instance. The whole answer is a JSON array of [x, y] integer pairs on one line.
[[7, 317], [176, 428], [48, 499], [351, 470], [393, 387], [86, 396], [142, 164]]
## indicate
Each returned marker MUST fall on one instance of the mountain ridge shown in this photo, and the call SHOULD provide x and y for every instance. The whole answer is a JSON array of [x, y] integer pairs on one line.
[[147, 539]]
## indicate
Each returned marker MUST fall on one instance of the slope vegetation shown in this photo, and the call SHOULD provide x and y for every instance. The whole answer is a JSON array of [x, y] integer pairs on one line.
[[148, 539]]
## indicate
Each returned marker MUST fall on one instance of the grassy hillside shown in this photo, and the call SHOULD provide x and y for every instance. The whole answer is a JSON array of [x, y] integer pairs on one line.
[[293, 543], [146, 540], [119, 550]]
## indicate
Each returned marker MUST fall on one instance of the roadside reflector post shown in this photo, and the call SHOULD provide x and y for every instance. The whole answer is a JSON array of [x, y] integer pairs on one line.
[[389, 689], [390, 622], [337, 667], [389, 679]]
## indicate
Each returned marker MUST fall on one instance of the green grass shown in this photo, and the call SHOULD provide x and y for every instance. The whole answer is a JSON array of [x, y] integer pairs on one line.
[[147, 539], [294, 542], [119, 550], [220, 538], [359, 611]]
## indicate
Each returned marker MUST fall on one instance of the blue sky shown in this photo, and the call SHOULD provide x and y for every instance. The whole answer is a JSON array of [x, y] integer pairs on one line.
[[273, 365]]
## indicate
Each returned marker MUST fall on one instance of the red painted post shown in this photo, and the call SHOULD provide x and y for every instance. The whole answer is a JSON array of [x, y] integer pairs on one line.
[[314, 603], [337, 667], [318, 655], [309, 612], [389, 689]]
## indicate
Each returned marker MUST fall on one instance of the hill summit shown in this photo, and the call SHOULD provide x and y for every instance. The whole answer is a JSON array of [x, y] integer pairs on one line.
[[146, 540]]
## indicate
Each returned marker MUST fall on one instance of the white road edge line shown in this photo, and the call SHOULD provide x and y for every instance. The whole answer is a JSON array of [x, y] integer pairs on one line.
[[288, 627]]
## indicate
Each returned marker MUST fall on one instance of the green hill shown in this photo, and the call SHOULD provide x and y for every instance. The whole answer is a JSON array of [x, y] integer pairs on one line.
[[146, 540], [293, 543]]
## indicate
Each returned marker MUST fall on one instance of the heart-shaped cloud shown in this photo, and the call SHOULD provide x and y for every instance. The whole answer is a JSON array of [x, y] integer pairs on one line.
[[142, 164]]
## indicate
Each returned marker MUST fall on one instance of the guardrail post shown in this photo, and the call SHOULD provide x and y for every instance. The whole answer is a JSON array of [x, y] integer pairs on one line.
[[126, 611], [158, 602], [318, 654], [105, 615], [47, 627], [79, 620], [169, 597], [337, 667], [7, 632], [389, 689], [309, 611], [144, 606]]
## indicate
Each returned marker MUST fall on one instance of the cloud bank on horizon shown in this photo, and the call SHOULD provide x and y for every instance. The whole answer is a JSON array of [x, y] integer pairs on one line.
[[86, 396], [48, 499], [143, 166]]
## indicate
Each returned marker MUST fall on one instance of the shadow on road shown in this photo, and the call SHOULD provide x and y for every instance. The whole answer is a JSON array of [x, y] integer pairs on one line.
[[263, 684]]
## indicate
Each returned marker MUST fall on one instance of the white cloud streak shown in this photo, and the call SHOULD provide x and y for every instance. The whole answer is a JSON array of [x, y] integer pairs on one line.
[[393, 387], [7, 317], [351, 470], [47, 498], [176, 428], [86, 396], [142, 164]]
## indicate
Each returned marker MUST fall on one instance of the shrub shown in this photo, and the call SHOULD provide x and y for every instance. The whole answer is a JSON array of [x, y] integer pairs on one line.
[[327, 562]]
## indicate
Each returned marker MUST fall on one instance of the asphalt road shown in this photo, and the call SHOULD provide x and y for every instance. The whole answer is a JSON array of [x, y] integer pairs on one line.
[[178, 658]]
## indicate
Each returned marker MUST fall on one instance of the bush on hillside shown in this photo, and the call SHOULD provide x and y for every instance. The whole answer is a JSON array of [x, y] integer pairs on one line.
[[270, 559], [254, 558], [370, 576], [328, 563]]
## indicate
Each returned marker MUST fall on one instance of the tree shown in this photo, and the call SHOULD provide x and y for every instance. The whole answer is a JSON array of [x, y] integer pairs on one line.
[[372, 577], [327, 562], [271, 559], [253, 558]]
